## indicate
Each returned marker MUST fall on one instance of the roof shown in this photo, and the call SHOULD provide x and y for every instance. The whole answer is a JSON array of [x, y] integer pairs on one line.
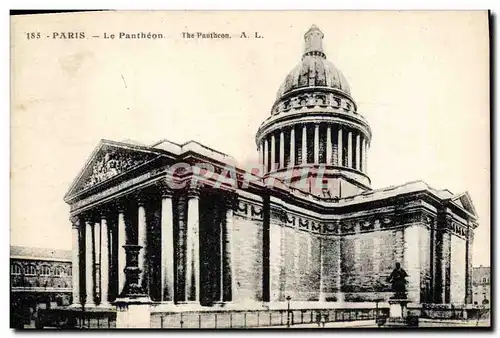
[[24, 252], [314, 71]]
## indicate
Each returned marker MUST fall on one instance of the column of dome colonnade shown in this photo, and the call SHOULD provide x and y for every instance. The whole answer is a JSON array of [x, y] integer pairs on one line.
[[110, 246], [315, 122], [333, 144]]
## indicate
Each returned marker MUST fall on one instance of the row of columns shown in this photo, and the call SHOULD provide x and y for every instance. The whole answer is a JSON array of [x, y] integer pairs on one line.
[[356, 148], [96, 261]]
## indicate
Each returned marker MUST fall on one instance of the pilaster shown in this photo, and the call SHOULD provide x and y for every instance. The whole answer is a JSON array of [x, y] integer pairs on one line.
[[229, 285]]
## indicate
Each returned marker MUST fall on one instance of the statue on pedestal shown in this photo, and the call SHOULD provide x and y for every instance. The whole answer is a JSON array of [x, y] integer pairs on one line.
[[398, 280]]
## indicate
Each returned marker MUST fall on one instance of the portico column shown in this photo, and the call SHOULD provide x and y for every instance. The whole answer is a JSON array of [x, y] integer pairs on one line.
[[349, 149], [122, 241], [358, 151], [229, 289], [316, 143], [141, 239], [304, 144], [340, 149], [167, 246], [104, 266], [75, 261], [89, 263], [266, 155], [292, 147], [273, 152], [329, 146], [193, 247]]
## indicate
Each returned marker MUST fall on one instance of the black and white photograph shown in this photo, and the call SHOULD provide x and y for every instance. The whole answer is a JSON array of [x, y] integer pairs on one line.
[[250, 169]]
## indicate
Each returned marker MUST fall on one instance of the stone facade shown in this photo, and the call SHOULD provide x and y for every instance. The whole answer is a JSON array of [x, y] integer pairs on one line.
[[179, 223]]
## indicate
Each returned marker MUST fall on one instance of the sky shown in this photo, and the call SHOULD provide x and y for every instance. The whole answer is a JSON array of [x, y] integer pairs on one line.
[[421, 79]]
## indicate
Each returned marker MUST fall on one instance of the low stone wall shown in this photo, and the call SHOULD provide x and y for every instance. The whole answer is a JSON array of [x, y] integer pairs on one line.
[[450, 311]]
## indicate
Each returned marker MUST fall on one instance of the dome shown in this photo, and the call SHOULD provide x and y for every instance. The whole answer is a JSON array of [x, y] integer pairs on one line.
[[314, 70], [315, 125]]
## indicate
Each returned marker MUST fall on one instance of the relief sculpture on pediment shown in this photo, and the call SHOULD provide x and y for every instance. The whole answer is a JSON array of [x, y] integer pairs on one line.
[[110, 164]]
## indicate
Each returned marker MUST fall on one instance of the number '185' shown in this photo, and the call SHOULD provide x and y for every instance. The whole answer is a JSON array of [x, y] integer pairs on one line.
[[33, 35]]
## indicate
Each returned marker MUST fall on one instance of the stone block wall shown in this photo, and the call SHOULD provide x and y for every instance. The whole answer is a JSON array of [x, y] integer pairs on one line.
[[310, 260], [291, 262], [445, 266], [425, 249], [301, 268], [247, 236], [457, 270], [331, 267], [367, 261], [275, 261], [416, 260]]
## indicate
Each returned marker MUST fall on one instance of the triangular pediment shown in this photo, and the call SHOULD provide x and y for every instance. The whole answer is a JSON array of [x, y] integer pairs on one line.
[[465, 202], [107, 161]]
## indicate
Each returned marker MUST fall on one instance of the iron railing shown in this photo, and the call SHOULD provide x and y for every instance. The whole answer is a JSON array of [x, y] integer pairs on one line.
[[210, 319], [76, 319], [260, 318]]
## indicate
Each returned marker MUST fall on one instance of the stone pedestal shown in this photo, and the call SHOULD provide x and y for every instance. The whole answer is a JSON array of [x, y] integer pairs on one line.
[[133, 308], [399, 315], [133, 313], [398, 308]]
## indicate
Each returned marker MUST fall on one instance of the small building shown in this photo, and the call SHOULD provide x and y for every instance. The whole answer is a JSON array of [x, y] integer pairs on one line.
[[39, 279], [481, 285]]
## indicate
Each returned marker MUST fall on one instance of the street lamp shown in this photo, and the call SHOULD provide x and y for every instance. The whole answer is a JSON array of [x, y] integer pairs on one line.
[[288, 298]]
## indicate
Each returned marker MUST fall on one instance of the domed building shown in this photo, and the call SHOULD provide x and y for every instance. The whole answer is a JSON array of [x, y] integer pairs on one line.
[[174, 225], [315, 127]]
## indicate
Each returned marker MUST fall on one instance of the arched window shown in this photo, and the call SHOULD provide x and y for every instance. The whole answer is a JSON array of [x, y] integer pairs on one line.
[[45, 270], [16, 269], [69, 271], [30, 270]]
